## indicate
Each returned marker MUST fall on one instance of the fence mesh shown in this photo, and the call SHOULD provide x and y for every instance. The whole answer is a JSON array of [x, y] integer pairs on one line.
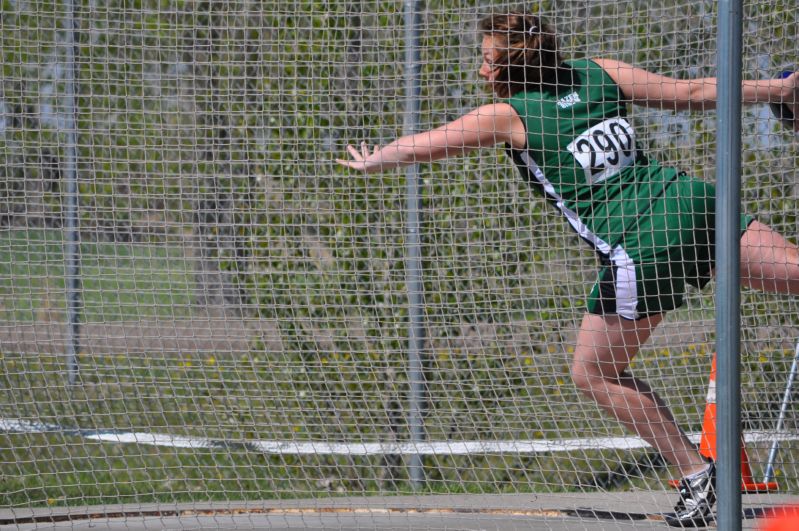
[[243, 325]]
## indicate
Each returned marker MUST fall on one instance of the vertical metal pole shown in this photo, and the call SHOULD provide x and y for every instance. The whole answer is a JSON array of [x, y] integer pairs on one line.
[[728, 235], [72, 236], [413, 265]]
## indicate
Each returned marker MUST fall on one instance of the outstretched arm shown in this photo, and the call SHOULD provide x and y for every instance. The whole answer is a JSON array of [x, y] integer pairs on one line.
[[485, 126], [653, 90]]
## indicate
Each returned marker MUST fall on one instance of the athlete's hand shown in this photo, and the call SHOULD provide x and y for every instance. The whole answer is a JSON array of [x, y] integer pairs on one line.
[[790, 97], [794, 105], [366, 160]]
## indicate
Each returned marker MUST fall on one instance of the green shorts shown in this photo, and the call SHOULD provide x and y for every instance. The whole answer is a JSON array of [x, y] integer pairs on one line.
[[672, 245]]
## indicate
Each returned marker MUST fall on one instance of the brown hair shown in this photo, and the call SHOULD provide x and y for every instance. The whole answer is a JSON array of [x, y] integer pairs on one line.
[[528, 53]]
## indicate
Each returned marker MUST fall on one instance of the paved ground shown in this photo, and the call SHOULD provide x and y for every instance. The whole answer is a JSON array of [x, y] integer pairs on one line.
[[557, 512]]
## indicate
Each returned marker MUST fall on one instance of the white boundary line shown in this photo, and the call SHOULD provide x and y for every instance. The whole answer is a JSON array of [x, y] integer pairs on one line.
[[21, 426]]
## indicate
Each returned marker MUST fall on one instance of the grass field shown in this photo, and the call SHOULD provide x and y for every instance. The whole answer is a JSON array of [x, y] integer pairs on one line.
[[483, 392], [237, 400], [120, 281]]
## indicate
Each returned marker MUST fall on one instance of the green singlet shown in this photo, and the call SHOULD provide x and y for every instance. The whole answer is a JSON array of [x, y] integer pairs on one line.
[[652, 226]]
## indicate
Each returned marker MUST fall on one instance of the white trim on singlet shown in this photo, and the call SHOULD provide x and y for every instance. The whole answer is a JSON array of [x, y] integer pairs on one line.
[[626, 287]]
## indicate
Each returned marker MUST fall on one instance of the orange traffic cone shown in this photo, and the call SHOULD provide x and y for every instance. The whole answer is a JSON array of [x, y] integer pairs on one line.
[[707, 443]]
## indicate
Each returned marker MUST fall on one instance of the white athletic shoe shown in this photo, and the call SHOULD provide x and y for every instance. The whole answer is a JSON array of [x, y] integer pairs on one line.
[[697, 497]]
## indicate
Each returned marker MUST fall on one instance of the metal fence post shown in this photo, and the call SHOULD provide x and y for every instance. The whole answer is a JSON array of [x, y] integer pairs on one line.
[[413, 263], [71, 229], [728, 208]]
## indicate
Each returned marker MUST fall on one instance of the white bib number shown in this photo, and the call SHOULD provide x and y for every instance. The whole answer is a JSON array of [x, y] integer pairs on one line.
[[605, 149]]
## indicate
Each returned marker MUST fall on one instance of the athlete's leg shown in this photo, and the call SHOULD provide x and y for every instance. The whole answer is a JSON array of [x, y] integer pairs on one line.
[[606, 344], [769, 262]]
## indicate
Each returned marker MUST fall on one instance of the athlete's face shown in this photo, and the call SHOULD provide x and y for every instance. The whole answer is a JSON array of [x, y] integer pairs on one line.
[[489, 70]]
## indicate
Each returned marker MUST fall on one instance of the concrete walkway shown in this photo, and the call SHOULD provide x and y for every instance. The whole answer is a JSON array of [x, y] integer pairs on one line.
[[593, 511]]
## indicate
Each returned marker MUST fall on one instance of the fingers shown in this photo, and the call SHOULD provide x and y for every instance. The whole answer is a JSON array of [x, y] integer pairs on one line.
[[363, 153], [359, 156], [357, 160], [354, 152]]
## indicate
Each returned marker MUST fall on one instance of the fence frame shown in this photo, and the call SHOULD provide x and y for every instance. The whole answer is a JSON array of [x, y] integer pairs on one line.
[[728, 175], [413, 258], [728, 297]]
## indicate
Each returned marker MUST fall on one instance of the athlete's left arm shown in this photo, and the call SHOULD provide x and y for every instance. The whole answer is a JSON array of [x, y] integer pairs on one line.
[[642, 87], [485, 126]]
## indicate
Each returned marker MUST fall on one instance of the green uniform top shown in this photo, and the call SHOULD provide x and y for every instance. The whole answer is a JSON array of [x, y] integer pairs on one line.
[[582, 154]]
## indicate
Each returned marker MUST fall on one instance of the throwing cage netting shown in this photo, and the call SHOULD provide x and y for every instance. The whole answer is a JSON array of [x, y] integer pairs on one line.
[[199, 305]]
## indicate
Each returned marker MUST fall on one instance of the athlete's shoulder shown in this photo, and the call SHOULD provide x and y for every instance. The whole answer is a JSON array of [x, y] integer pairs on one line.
[[589, 68], [596, 82], [580, 64]]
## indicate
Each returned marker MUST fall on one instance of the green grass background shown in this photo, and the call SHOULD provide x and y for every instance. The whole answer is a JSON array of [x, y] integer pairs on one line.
[[119, 281]]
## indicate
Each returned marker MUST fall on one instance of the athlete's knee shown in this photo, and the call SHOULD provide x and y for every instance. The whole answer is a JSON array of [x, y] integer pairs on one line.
[[592, 377], [587, 376]]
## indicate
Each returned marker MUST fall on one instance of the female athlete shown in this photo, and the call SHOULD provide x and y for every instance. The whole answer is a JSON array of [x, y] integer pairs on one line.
[[564, 125]]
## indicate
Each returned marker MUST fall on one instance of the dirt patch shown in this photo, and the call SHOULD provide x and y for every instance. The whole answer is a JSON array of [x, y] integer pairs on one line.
[[157, 336], [215, 335]]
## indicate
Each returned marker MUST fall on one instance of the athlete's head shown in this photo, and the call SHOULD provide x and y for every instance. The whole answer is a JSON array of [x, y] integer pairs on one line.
[[519, 52]]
